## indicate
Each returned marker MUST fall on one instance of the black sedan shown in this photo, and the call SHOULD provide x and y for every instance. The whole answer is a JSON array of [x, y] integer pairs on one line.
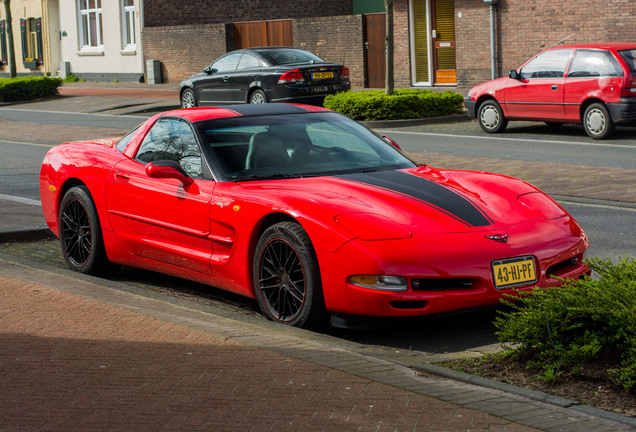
[[267, 74]]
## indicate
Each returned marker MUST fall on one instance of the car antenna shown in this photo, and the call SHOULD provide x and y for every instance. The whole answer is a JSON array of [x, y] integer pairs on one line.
[[565, 38]]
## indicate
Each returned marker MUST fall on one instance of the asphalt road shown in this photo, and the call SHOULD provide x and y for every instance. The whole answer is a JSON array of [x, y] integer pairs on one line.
[[532, 142]]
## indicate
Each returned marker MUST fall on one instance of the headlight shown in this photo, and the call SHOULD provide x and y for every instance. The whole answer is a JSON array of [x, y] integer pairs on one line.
[[543, 205], [379, 282]]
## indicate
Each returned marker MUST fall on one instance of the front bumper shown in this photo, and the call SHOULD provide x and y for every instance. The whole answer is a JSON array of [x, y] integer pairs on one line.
[[457, 264], [471, 106]]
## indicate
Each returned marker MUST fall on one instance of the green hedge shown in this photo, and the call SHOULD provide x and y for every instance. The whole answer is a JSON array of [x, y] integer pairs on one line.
[[587, 320], [401, 104], [27, 88]]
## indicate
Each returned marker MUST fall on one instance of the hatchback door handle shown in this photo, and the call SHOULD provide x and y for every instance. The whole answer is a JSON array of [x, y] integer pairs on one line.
[[555, 87]]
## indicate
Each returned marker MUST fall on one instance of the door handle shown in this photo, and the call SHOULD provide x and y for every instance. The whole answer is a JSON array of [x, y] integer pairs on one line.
[[123, 176], [226, 78], [555, 87]]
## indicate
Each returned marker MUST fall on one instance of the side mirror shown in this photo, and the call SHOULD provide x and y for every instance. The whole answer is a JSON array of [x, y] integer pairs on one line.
[[390, 141], [210, 70], [514, 75], [168, 169]]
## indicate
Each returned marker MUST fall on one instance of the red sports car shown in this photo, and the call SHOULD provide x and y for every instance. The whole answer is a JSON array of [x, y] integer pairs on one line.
[[307, 211]]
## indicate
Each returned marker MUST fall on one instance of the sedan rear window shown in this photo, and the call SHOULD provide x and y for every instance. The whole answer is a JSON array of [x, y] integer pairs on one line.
[[282, 57], [630, 58]]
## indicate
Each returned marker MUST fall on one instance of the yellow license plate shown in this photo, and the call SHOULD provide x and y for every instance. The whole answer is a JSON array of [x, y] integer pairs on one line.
[[322, 75], [507, 273]]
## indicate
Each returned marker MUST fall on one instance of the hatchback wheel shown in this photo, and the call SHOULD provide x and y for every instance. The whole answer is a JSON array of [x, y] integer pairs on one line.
[[598, 122], [287, 278], [258, 96], [187, 99], [491, 118]]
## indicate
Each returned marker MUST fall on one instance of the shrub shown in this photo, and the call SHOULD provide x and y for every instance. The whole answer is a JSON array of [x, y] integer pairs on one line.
[[27, 88], [401, 104], [583, 321]]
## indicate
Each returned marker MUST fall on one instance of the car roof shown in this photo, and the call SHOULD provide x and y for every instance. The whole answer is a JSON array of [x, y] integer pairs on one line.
[[244, 110], [607, 45]]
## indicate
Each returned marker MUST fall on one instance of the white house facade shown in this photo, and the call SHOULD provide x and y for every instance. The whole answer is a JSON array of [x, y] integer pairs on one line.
[[101, 39]]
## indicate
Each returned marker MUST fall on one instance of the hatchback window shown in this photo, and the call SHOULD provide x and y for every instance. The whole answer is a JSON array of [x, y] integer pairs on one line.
[[227, 63], [594, 63], [550, 64], [630, 58]]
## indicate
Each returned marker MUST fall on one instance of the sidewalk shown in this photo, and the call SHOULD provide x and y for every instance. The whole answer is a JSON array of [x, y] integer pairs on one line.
[[79, 356]]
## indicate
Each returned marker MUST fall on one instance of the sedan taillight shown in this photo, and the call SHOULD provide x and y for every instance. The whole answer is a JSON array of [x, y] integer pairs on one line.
[[344, 75], [291, 77]]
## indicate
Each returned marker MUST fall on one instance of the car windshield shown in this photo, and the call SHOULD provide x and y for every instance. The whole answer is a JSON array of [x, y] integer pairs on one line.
[[630, 58], [295, 145], [283, 56]]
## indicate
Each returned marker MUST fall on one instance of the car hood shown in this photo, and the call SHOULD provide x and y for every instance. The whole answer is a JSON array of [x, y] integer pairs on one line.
[[418, 200]]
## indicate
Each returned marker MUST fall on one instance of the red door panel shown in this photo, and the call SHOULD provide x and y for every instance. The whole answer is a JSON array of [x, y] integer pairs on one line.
[[539, 98], [159, 218]]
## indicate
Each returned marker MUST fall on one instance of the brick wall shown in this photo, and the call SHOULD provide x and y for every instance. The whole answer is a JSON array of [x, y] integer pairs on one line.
[[524, 28], [169, 13], [184, 50], [335, 39]]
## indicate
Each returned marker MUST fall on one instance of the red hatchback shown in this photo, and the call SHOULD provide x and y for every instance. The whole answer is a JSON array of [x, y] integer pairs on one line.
[[592, 84]]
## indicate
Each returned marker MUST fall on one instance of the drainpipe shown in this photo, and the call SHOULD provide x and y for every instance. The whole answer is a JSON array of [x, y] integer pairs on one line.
[[493, 51]]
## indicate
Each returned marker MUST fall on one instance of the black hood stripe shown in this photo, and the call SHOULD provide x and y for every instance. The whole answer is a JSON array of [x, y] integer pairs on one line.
[[428, 192]]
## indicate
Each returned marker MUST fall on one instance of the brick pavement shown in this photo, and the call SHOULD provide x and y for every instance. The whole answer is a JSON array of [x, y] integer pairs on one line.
[[71, 363]]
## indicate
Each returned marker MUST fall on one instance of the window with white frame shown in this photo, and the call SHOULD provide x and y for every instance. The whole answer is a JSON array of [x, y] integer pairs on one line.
[[128, 24], [91, 24]]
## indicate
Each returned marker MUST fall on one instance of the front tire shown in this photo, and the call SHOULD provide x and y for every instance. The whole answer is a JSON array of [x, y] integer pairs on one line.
[[598, 122], [258, 96], [81, 233], [491, 118], [287, 277], [188, 100]]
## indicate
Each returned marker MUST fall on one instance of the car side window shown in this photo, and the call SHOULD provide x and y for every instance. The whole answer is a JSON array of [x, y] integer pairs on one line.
[[630, 58], [594, 63], [172, 139], [248, 61], [227, 63], [550, 64]]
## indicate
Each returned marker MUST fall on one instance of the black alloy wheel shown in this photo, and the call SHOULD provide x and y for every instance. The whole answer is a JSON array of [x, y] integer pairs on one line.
[[80, 233], [287, 278]]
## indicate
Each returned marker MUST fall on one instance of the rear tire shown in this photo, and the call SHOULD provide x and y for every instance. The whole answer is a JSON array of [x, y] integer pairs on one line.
[[188, 100], [491, 118], [598, 122], [287, 277], [81, 233], [258, 96]]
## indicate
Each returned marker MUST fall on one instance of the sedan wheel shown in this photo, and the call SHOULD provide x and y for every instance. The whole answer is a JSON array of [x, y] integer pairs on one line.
[[80, 233], [187, 99], [491, 118], [286, 277], [258, 96], [598, 122]]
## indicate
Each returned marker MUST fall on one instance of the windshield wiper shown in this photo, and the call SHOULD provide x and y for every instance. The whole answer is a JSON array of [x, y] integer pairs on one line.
[[266, 177]]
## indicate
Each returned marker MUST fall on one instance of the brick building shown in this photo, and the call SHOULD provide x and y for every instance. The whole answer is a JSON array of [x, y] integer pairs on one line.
[[438, 43]]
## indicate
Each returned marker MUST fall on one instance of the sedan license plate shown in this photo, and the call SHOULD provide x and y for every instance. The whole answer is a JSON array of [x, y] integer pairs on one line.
[[321, 75], [511, 272]]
